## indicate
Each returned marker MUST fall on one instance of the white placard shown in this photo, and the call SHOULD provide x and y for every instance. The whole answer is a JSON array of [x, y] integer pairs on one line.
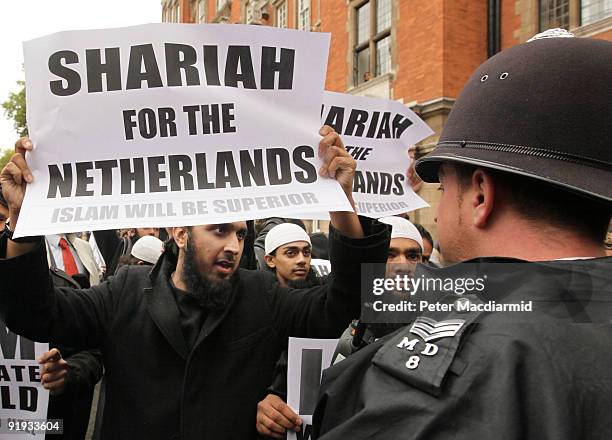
[[321, 267], [307, 358], [174, 124], [22, 397], [378, 133]]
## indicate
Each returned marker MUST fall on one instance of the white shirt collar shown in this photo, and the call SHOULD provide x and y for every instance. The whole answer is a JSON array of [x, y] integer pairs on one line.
[[54, 239]]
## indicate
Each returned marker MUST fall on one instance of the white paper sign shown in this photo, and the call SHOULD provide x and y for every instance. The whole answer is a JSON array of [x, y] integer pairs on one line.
[[170, 124], [22, 396], [377, 133], [321, 267], [307, 358]]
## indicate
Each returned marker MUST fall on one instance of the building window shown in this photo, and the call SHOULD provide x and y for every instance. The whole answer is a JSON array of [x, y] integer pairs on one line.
[[248, 13], [172, 12], [201, 18], [594, 10], [281, 15], [569, 14], [303, 17], [554, 14], [372, 51]]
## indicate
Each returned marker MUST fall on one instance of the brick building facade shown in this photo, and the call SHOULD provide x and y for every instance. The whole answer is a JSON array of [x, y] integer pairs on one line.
[[417, 52]]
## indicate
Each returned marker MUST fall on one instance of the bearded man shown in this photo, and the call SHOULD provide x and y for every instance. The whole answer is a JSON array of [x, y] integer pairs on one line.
[[190, 347]]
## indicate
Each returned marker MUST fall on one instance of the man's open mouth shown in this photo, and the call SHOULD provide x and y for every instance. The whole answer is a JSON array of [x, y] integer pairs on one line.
[[225, 266]]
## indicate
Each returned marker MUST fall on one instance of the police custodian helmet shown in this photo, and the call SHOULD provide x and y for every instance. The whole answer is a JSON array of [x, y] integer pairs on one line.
[[542, 109]]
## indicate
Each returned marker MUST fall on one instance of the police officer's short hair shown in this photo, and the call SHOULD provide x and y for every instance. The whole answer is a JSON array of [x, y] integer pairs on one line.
[[536, 200]]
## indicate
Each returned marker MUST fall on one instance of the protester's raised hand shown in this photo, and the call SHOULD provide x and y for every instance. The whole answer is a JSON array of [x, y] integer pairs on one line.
[[337, 162], [274, 417], [15, 175], [53, 372]]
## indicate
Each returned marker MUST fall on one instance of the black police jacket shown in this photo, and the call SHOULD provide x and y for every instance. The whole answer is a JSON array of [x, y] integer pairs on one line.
[[482, 374]]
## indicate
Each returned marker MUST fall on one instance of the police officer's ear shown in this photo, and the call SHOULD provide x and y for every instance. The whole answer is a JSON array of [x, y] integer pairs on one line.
[[181, 236], [269, 259], [481, 197]]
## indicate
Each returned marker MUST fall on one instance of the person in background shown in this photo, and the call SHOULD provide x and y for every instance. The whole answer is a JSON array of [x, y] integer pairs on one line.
[[406, 245], [405, 252], [146, 251], [115, 244], [70, 376], [428, 243], [261, 229], [74, 256], [288, 253]]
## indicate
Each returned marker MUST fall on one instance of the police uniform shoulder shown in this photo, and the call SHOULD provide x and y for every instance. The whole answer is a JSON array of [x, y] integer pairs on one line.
[[424, 352]]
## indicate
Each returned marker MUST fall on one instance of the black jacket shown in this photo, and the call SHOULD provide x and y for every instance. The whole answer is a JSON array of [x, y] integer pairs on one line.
[[85, 369], [544, 374], [112, 247], [155, 388]]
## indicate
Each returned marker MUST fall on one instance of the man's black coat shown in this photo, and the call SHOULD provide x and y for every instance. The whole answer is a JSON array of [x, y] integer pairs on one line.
[[156, 388]]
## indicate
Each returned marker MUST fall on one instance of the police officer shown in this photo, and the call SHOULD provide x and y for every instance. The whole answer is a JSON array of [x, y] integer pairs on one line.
[[525, 168]]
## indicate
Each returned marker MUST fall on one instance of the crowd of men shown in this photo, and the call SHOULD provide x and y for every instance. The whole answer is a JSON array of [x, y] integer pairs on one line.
[[192, 333]]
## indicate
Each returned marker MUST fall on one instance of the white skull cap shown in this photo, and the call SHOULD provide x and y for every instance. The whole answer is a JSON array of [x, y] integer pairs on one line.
[[283, 234], [402, 228], [148, 249]]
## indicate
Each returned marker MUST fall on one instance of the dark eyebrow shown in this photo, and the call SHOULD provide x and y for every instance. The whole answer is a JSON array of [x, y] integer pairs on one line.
[[218, 225], [297, 248]]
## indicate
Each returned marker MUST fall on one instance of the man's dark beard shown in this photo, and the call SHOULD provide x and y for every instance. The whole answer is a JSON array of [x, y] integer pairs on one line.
[[212, 295]]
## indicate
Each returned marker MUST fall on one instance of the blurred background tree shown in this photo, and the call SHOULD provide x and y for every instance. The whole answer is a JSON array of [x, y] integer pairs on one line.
[[15, 109], [5, 156]]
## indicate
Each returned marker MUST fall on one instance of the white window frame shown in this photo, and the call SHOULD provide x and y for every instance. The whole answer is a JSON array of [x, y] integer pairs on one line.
[[202, 9], [281, 15], [303, 15]]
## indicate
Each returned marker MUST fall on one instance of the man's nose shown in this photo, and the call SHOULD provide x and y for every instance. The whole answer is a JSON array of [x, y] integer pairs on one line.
[[233, 245], [401, 259]]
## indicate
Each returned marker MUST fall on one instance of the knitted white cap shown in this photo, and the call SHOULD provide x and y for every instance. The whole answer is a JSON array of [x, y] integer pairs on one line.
[[148, 249], [402, 228], [283, 234]]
